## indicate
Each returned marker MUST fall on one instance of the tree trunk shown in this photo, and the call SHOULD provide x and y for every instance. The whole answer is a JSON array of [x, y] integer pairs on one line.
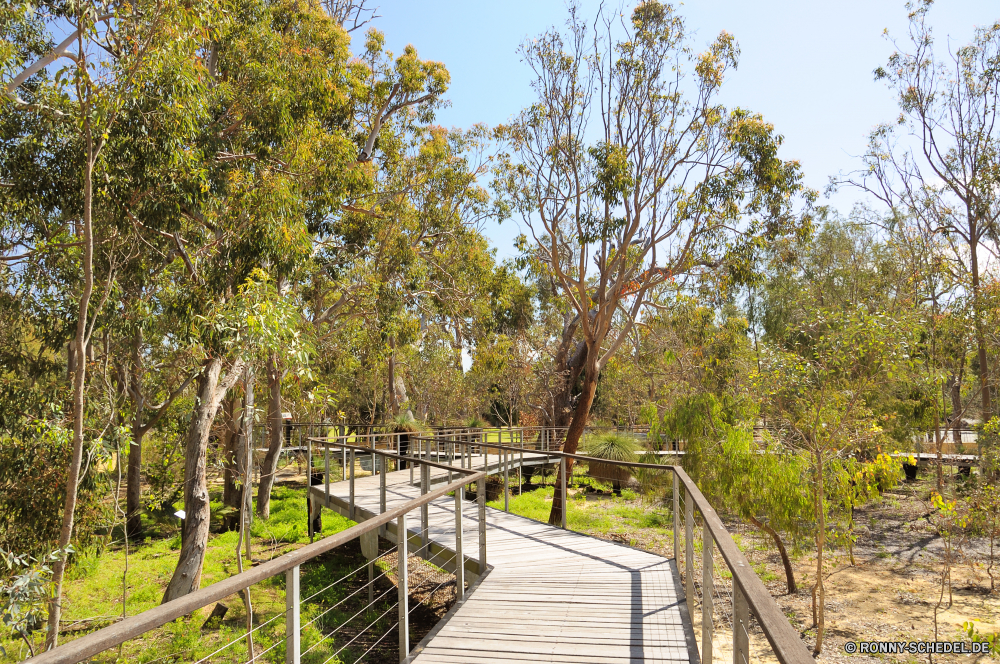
[[133, 489], [79, 382], [977, 309], [244, 453], [232, 410], [955, 383], [819, 602], [187, 575], [789, 573], [270, 465], [231, 495], [575, 432], [391, 378]]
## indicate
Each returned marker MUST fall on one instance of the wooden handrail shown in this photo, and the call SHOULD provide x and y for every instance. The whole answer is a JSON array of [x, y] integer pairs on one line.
[[788, 647], [327, 442], [113, 635]]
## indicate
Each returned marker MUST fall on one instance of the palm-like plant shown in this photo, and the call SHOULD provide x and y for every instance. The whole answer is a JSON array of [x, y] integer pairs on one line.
[[611, 447]]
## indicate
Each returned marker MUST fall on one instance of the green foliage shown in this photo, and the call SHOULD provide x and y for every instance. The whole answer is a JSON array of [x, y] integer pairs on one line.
[[611, 447], [33, 486], [405, 424], [972, 633], [24, 591], [767, 483], [854, 483]]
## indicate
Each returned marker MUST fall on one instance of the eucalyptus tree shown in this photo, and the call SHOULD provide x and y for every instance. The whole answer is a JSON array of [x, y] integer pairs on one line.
[[116, 47], [278, 157], [764, 484], [939, 163], [664, 183], [818, 386], [391, 100]]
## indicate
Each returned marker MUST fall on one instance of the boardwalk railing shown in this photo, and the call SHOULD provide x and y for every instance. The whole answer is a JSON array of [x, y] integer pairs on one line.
[[740, 598], [389, 523], [454, 459]]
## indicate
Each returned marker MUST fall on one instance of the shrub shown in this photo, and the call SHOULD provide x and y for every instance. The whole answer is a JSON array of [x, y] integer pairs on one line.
[[406, 424], [612, 447]]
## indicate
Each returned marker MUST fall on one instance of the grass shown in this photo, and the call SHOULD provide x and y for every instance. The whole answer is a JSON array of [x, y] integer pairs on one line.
[[615, 518], [94, 588]]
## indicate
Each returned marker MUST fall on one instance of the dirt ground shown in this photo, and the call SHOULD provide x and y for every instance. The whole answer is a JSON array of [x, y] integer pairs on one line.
[[889, 595], [892, 591]]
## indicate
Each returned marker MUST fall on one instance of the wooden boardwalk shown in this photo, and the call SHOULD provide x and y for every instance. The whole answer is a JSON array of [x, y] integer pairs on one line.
[[550, 595]]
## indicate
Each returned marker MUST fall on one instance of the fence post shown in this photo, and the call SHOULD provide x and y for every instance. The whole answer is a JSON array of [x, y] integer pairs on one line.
[[520, 481], [326, 472], [689, 550], [459, 558], [425, 486], [450, 455], [707, 592], [506, 481], [381, 497], [350, 508], [677, 521], [481, 499], [562, 488], [403, 589], [741, 626], [293, 627], [309, 481]]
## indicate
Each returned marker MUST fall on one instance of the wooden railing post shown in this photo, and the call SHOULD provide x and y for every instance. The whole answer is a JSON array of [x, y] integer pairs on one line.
[[677, 521], [459, 558], [350, 508], [481, 499], [293, 626], [689, 550], [381, 495], [343, 460], [741, 626], [506, 481], [403, 589], [326, 472], [562, 489], [425, 486], [309, 481], [520, 481], [707, 593]]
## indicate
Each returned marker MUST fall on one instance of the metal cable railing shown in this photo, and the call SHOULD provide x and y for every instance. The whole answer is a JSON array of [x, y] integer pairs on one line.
[[724, 606], [455, 459], [290, 564]]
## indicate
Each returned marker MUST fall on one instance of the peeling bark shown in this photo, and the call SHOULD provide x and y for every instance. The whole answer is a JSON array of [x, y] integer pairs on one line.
[[211, 390], [275, 429]]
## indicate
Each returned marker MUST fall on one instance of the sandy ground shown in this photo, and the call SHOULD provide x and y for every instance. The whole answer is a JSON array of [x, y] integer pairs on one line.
[[892, 591]]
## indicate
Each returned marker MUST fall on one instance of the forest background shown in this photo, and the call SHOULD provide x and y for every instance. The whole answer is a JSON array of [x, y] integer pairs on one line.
[[214, 211]]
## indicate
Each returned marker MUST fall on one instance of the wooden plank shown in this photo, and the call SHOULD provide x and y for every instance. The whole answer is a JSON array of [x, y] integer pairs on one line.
[[553, 595]]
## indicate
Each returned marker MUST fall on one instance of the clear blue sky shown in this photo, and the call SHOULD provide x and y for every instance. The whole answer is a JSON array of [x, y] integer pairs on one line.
[[806, 65]]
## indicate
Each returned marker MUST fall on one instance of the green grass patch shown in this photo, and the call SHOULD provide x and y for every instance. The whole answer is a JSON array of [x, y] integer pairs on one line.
[[95, 583]]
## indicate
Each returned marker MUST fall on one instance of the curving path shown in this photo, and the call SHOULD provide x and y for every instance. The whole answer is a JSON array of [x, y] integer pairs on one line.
[[550, 595]]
